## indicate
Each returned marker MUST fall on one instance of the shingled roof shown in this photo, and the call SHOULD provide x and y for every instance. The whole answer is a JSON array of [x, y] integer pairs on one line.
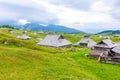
[[87, 41], [54, 41], [106, 43], [116, 49]]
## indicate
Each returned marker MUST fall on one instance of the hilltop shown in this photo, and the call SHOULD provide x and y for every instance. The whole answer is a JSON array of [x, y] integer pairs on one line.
[[110, 32], [25, 60], [48, 28]]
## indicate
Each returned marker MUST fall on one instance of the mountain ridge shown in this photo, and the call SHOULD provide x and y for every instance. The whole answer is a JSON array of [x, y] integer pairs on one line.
[[110, 32], [49, 28]]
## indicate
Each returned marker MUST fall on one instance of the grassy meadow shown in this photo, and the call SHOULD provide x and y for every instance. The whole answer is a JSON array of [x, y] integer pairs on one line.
[[25, 60]]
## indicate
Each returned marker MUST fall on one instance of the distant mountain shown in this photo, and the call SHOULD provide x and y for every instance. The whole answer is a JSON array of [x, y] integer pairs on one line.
[[110, 32], [50, 28]]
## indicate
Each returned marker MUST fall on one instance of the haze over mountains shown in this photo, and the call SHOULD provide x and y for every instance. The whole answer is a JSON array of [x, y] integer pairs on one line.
[[56, 28], [49, 28]]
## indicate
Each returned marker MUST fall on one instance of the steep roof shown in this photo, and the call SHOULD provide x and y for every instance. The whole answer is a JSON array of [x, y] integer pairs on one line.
[[88, 41], [116, 49], [54, 41], [106, 43]]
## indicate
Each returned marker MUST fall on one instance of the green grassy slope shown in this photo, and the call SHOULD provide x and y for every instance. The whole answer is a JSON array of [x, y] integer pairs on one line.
[[24, 60]]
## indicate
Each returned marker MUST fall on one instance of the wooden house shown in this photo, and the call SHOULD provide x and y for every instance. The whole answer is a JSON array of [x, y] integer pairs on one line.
[[114, 55], [102, 49], [54, 41], [23, 37], [86, 42]]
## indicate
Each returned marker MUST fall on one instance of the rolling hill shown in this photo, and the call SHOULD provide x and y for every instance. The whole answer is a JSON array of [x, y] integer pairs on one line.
[[110, 32], [25, 60]]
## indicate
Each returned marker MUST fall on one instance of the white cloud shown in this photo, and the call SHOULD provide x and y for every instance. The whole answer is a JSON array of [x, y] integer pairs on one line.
[[100, 6], [49, 7], [23, 21], [69, 16]]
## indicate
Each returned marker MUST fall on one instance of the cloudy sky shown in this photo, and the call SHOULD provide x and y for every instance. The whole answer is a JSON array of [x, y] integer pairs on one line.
[[86, 15]]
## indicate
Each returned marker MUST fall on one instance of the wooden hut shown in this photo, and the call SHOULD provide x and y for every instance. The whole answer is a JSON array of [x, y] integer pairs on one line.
[[54, 41], [102, 49], [23, 37], [10, 31], [86, 42], [24, 32], [113, 55]]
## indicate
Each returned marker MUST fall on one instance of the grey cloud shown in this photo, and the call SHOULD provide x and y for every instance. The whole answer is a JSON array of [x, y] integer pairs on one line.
[[32, 13], [76, 4], [115, 13]]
